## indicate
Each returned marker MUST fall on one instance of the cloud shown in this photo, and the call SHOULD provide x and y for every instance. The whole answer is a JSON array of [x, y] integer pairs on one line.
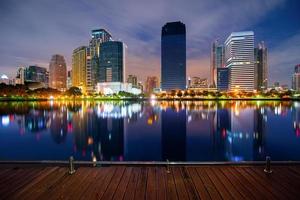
[[38, 29], [283, 58]]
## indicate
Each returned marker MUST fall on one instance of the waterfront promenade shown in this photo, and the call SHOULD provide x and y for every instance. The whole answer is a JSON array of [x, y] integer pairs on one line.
[[149, 182]]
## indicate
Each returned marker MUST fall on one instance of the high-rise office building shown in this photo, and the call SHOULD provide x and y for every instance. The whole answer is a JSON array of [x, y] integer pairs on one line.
[[69, 79], [151, 84], [20, 77], [112, 62], [239, 56], [132, 79], [81, 61], [173, 56], [58, 73], [261, 66], [217, 60], [37, 74], [296, 78], [93, 72], [222, 78]]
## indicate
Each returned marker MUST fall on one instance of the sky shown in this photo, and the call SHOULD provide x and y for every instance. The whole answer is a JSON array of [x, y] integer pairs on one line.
[[31, 31]]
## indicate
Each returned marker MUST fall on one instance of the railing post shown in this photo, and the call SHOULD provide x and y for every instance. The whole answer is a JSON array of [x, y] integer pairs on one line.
[[168, 166], [71, 165], [268, 165]]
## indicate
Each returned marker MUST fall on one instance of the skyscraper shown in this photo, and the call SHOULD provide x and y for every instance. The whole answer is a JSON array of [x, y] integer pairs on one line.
[[36, 74], [20, 78], [239, 56], [217, 60], [112, 62], [132, 79], [261, 70], [98, 36], [296, 78], [58, 72], [80, 64], [222, 78], [173, 56]]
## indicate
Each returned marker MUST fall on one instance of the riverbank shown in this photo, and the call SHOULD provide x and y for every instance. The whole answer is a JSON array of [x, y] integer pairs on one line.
[[149, 182]]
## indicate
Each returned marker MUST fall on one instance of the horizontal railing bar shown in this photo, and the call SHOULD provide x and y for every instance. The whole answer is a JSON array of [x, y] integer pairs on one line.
[[144, 163]]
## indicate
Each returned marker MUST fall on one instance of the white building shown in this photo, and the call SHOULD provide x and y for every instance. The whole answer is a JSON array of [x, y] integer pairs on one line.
[[239, 58], [4, 79], [109, 88]]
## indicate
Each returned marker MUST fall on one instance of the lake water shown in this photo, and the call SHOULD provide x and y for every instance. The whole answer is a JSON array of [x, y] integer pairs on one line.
[[150, 131]]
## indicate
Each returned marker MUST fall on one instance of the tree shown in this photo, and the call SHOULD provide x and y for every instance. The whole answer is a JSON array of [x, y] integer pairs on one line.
[[74, 91]]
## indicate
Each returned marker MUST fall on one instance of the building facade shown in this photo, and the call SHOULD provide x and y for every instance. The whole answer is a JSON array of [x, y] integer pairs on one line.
[[132, 79], [37, 74], [261, 66], [93, 73], [239, 56], [112, 62], [217, 60], [81, 61], [296, 78], [151, 84], [20, 77], [222, 78], [173, 56], [58, 73]]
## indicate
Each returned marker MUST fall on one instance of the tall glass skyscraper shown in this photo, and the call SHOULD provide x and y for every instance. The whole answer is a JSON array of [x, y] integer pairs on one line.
[[93, 73], [58, 73], [239, 56], [261, 72], [112, 62], [217, 61], [173, 56]]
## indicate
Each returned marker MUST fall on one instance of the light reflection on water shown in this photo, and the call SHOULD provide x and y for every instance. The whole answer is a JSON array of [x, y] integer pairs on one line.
[[150, 131]]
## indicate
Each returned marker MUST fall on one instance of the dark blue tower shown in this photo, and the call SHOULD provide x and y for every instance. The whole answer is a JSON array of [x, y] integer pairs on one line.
[[173, 56]]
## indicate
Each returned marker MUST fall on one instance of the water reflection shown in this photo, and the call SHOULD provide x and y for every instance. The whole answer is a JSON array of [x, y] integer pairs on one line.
[[148, 131]]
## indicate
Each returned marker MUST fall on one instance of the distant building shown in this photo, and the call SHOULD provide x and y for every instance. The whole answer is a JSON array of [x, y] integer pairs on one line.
[[20, 77], [217, 60], [81, 61], [296, 78], [36, 74], [173, 56], [151, 84], [261, 66], [223, 78], [112, 62], [140, 86], [69, 79], [239, 56], [4, 79], [197, 82], [109, 88], [132, 79], [58, 73], [93, 72]]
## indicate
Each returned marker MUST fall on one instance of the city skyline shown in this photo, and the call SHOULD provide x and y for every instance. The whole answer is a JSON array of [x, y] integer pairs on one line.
[[141, 32]]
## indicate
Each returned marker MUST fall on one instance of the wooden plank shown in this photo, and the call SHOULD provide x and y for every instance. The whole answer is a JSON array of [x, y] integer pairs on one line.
[[48, 171], [47, 182], [263, 191], [246, 192], [271, 181], [179, 184], [151, 190], [161, 183], [120, 191], [101, 174], [213, 192], [141, 184], [188, 182], [218, 184], [112, 187], [99, 188], [226, 183], [171, 189], [199, 185], [131, 187]]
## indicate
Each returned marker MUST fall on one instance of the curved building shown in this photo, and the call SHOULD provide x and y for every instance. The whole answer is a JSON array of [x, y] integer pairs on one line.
[[58, 73]]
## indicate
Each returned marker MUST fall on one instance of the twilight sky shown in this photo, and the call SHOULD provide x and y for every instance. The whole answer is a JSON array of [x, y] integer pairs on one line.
[[31, 31]]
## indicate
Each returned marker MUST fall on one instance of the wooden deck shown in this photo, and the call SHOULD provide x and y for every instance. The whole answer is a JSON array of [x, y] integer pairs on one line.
[[125, 182]]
